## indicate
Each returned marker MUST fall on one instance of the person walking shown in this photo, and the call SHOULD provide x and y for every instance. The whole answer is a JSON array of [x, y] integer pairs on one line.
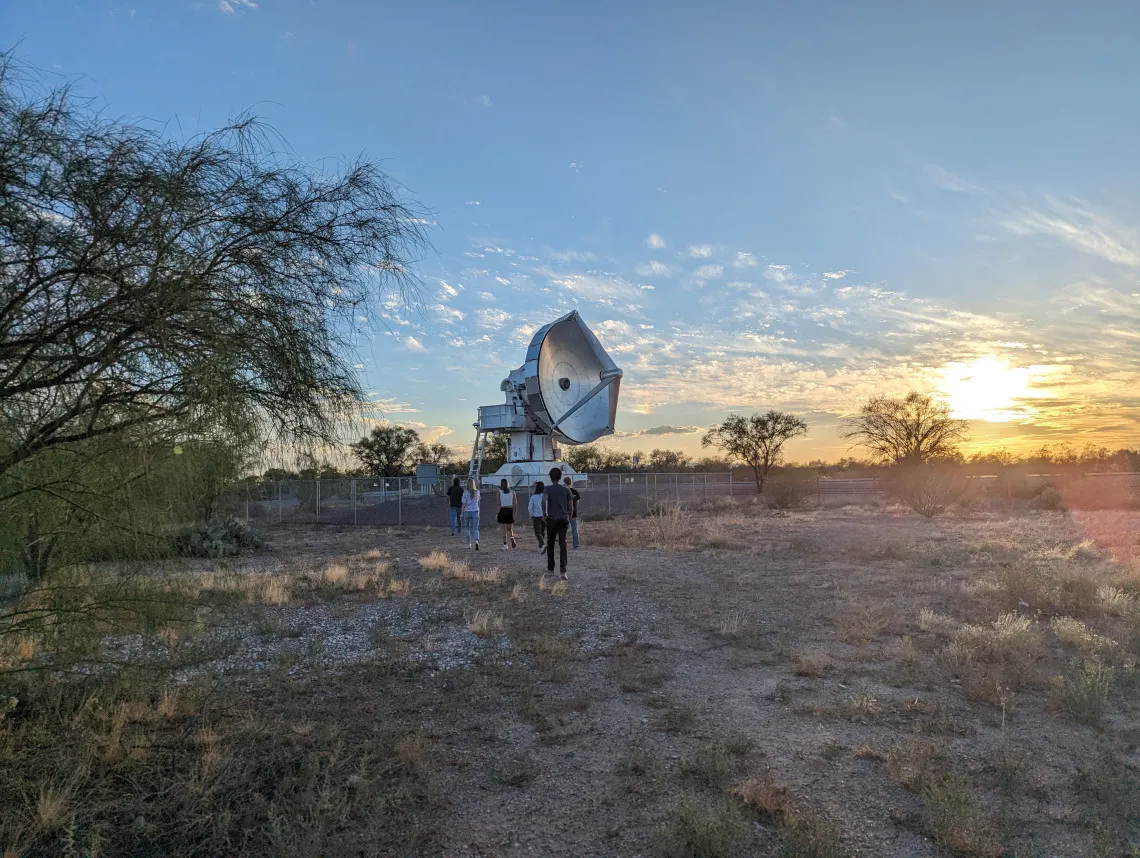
[[534, 509], [569, 483], [508, 501], [455, 506], [470, 502], [556, 507]]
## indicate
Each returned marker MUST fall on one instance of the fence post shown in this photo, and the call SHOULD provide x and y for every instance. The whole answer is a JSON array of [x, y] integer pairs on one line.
[[646, 481], [609, 495], [318, 482], [400, 500], [818, 491], [730, 482], [677, 487], [352, 492], [279, 504]]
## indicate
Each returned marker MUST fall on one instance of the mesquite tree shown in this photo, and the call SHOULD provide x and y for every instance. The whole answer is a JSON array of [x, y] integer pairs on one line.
[[908, 431], [758, 441]]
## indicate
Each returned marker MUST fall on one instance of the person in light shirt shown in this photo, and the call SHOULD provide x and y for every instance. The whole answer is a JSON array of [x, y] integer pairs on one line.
[[470, 501], [534, 509]]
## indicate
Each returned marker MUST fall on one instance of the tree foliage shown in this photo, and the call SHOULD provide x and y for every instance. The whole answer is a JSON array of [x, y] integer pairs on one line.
[[389, 451], [758, 441], [159, 295], [911, 430], [153, 287], [667, 461]]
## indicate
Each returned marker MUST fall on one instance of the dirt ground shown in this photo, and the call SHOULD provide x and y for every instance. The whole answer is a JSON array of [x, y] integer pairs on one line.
[[787, 650]]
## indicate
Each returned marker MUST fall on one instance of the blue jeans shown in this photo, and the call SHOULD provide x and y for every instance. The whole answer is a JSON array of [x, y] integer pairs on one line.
[[471, 519], [574, 530], [454, 519]]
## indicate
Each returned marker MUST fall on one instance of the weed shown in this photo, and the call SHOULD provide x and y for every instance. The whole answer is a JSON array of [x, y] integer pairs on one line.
[[763, 797], [811, 664], [519, 592], [954, 818], [1084, 689], [861, 625], [860, 705], [808, 835], [939, 624], [713, 763], [486, 623], [695, 830], [1077, 634], [678, 720], [436, 561], [641, 765]]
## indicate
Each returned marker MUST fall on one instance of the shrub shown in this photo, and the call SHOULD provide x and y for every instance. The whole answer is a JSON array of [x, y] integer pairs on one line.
[[218, 538], [929, 490], [695, 830], [1049, 500], [787, 494], [1083, 691]]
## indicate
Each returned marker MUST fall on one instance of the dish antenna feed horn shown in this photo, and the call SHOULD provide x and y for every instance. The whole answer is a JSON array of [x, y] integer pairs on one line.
[[565, 393]]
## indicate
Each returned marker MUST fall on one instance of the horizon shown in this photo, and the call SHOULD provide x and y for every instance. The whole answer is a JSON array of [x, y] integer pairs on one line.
[[751, 209]]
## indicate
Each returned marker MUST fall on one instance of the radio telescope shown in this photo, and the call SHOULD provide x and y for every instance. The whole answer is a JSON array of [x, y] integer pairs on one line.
[[565, 393]]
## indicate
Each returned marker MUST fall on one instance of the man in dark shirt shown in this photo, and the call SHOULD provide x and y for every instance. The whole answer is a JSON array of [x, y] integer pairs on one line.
[[455, 506], [558, 507]]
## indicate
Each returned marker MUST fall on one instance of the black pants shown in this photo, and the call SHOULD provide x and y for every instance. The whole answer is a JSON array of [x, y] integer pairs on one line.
[[556, 529], [539, 530]]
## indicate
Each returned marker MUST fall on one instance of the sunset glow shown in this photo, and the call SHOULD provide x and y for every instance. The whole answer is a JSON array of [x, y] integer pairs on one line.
[[987, 389]]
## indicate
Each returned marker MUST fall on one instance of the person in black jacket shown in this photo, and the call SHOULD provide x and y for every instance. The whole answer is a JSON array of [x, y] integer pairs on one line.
[[574, 512], [455, 507]]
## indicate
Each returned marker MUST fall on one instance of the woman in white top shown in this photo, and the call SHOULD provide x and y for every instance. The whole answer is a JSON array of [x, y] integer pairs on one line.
[[470, 501], [508, 500], [534, 507]]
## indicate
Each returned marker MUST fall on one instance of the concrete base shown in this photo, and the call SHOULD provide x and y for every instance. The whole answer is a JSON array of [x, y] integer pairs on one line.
[[526, 474]]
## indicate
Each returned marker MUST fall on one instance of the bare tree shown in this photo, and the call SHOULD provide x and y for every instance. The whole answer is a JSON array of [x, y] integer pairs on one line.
[[758, 440], [910, 431], [152, 288], [667, 461]]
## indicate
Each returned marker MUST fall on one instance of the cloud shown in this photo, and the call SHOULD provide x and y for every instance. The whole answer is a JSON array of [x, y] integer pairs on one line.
[[948, 181], [744, 260], [568, 256], [473, 203], [1076, 224], [655, 241], [388, 405], [709, 272], [448, 289], [835, 275], [412, 344], [231, 6], [654, 269], [779, 273], [448, 315], [483, 101], [603, 288], [492, 317], [660, 430], [700, 251]]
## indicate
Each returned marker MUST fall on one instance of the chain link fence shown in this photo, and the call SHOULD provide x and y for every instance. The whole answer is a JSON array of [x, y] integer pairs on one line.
[[409, 501]]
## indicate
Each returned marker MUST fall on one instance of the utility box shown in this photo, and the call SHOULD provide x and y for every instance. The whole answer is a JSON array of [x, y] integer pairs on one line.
[[427, 475]]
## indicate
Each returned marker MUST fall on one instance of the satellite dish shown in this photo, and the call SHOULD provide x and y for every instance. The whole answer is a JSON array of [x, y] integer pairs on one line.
[[565, 392], [566, 373]]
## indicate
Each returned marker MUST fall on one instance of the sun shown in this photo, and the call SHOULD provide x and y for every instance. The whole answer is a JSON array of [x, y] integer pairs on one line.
[[986, 388]]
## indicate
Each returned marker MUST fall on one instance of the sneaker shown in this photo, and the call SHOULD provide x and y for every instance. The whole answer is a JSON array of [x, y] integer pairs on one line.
[[476, 544], [505, 547], [562, 577], [542, 549], [468, 546], [514, 544]]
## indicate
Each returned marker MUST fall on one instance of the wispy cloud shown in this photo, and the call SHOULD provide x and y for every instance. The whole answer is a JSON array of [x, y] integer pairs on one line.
[[708, 272], [1076, 224], [700, 251], [492, 317], [745, 260], [835, 275], [473, 203], [660, 430], [231, 6], [412, 344], [448, 289], [654, 269], [655, 241], [943, 178]]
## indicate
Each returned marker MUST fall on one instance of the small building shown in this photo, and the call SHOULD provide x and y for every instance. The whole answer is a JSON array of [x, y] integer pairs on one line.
[[427, 476]]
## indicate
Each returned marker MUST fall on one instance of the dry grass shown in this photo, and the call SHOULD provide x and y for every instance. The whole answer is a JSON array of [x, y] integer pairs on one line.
[[861, 625], [486, 623], [462, 572], [1077, 634], [695, 829], [812, 663], [763, 797], [436, 561]]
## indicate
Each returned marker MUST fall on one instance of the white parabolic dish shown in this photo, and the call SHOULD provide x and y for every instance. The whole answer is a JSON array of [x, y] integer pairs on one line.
[[570, 384]]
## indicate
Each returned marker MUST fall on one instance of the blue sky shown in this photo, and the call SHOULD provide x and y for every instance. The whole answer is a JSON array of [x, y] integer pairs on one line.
[[754, 204]]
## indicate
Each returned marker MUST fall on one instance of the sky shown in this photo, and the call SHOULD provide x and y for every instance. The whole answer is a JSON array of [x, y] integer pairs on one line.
[[753, 205]]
